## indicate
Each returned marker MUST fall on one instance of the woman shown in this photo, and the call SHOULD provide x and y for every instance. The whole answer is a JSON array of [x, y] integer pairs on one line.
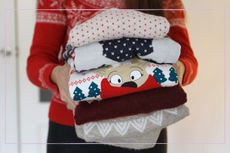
[[45, 64]]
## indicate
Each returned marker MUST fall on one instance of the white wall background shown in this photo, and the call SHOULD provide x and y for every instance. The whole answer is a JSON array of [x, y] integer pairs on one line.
[[203, 131]]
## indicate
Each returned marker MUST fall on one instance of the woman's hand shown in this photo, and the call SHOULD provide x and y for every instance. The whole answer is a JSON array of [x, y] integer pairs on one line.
[[60, 76], [180, 68]]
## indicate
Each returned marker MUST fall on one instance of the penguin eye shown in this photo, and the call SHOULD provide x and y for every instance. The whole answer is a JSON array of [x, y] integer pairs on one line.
[[135, 75], [116, 79]]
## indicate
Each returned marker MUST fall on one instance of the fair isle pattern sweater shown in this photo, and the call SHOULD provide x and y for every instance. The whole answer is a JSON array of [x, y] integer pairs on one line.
[[54, 20]]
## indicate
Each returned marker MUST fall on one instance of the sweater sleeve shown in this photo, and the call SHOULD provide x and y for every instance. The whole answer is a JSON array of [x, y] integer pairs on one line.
[[178, 31], [187, 56], [48, 38]]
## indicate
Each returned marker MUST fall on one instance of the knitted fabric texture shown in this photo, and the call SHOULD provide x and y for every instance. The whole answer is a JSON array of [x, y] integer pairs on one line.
[[125, 78], [53, 22], [132, 104], [110, 52], [141, 128], [118, 23]]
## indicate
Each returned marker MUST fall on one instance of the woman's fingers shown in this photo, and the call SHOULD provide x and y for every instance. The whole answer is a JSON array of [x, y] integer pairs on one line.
[[66, 98], [180, 78], [180, 69]]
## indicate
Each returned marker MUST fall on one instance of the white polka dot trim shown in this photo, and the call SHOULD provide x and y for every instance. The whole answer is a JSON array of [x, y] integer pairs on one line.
[[118, 23]]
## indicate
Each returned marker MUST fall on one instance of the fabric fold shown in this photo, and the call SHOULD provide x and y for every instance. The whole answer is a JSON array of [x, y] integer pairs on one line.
[[132, 104], [118, 23], [111, 52], [124, 78], [123, 132]]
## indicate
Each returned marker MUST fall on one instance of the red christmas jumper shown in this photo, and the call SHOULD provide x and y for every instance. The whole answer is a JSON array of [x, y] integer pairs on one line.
[[55, 18]]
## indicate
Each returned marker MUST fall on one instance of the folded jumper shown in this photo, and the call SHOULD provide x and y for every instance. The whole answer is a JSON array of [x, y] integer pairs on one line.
[[110, 52], [124, 78], [117, 23], [141, 129], [132, 104]]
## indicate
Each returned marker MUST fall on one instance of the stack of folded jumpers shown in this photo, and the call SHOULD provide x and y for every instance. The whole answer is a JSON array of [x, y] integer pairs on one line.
[[122, 63]]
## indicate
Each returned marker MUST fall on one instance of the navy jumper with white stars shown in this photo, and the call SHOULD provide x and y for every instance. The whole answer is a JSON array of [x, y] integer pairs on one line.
[[124, 49]]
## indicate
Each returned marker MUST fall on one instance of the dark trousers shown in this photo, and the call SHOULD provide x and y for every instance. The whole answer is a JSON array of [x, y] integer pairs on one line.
[[64, 134]]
